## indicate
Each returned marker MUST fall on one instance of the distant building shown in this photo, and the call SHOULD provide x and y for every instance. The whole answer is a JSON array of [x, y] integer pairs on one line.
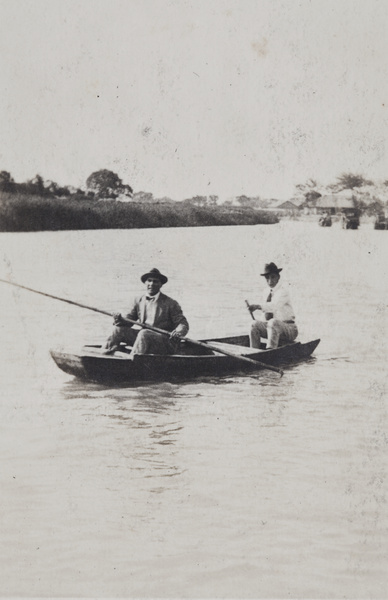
[[334, 203], [290, 207]]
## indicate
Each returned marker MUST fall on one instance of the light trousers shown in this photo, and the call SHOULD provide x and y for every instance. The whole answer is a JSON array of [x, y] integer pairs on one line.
[[276, 331], [143, 341]]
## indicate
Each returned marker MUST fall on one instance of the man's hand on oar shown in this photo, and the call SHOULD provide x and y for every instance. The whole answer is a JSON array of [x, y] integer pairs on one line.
[[175, 335], [117, 319], [251, 308]]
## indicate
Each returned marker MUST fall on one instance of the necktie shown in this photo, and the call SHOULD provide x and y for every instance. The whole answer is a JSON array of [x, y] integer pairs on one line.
[[269, 315], [149, 310]]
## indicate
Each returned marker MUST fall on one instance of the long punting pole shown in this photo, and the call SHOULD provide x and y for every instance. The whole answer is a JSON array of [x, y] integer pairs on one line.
[[245, 359]]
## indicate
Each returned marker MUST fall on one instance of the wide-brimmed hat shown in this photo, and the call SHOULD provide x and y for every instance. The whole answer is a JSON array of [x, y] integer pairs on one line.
[[270, 268], [154, 273]]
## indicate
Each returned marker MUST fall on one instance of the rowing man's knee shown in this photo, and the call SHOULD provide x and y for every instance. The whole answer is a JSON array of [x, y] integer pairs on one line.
[[274, 324], [258, 327]]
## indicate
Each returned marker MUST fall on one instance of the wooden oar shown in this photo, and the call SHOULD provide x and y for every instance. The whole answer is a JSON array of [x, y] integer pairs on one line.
[[249, 308], [245, 359]]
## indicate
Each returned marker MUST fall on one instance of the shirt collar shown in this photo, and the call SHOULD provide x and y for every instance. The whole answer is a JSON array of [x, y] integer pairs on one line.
[[156, 297], [276, 288]]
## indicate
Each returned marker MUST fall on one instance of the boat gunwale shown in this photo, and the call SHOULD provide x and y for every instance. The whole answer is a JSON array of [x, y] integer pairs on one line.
[[156, 367], [179, 357]]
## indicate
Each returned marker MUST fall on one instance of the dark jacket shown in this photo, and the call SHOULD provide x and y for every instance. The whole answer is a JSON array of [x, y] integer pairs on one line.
[[168, 314]]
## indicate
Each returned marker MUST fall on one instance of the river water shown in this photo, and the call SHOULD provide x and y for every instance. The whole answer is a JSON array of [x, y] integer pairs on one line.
[[235, 487]]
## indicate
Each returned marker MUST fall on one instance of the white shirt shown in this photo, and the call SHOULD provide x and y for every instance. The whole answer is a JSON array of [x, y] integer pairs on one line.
[[150, 308], [280, 305]]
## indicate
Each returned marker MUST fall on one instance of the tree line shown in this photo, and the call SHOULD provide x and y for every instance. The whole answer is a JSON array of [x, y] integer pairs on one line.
[[106, 202], [107, 185], [39, 205], [102, 184]]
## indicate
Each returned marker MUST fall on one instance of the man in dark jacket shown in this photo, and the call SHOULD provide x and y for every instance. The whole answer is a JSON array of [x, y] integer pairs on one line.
[[152, 308]]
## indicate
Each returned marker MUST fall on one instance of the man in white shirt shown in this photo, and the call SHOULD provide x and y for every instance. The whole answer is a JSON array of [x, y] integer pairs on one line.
[[278, 319]]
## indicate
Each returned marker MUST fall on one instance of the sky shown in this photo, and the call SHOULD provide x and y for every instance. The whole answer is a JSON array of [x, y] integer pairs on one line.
[[183, 98]]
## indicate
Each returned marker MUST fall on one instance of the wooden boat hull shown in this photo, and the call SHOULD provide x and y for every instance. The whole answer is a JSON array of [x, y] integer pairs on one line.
[[90, 364]]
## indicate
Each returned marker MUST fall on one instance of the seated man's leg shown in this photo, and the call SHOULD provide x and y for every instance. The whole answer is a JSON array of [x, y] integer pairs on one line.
[[277, 330], [258, 330], [150, 342], [119, 334], [289, 334]]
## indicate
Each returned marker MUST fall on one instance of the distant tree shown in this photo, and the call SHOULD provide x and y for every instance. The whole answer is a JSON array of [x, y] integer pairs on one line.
[[51, 187], [261, 202], [61, 191], [197, 200], [309, 191], [349, 181], [246, 201], [165, 200], [38, 183], [126, 190], [35, 186], [7, 183], [143, 197], [243, 200], [203, 200], [309, 185], [376, 207], [359, 204], [312, 196], [307, 188], [107, 184]]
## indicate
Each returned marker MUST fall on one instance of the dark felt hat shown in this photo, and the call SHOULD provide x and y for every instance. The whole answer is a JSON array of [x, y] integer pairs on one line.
[[154, 273], [270, 268]]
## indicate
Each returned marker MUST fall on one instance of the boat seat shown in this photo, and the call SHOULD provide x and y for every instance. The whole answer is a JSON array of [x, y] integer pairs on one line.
[[240, 350]]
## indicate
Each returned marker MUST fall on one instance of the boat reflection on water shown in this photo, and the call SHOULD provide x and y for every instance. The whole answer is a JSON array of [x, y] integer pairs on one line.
[[142, 424]]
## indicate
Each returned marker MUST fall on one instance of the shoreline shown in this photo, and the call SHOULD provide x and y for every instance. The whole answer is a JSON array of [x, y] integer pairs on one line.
[[35, 213]]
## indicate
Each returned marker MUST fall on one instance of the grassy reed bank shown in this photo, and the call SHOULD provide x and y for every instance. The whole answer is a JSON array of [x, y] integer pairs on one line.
[[20, 212]]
